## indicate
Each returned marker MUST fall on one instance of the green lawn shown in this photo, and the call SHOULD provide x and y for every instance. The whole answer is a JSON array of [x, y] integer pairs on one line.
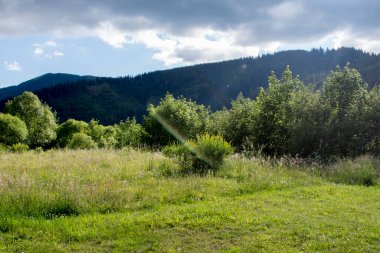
[[123, 201]]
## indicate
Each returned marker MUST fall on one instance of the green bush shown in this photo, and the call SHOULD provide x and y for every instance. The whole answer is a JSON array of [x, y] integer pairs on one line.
[[19, 147], [13, 130], [205, 154], [81, 141]]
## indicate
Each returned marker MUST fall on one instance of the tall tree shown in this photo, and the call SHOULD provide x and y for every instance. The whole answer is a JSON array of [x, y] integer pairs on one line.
[[38, 117]]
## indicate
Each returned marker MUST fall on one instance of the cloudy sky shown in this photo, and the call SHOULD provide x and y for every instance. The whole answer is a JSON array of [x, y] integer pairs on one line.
[[127, 37]]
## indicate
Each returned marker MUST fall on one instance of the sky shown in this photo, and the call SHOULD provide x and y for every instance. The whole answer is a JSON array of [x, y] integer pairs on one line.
[[128, 37]]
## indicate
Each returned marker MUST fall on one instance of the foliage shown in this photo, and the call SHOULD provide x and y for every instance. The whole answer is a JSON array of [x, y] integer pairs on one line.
[[129, 134], [104, 136], [111, 100], [238, 122], [66, 130], [206, 154], [175, 119], [81, 141], [12, 129], [19, 147], [308, 122], [271, 129], [345, 95], [38, 117]]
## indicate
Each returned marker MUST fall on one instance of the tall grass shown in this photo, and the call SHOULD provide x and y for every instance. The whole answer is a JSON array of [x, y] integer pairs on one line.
[[63, 182]]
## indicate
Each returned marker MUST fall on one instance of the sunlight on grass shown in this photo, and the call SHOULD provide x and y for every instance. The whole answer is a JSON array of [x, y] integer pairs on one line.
[[126, 200]]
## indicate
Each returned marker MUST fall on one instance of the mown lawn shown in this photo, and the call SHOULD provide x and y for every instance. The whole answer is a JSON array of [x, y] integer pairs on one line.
[[123, 201]]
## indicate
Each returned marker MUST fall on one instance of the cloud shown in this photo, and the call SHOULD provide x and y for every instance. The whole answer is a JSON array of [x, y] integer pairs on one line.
[[38, 51], [183, 31], [111, 35], [58, 53], [45, 49], [12, 66]]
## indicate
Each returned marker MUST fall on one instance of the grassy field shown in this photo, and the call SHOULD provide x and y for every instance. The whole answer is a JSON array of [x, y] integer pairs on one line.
[[135, 201]]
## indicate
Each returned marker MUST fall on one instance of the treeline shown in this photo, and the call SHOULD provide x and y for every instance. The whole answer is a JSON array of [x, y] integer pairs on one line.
[[111, 100], [340, 118]]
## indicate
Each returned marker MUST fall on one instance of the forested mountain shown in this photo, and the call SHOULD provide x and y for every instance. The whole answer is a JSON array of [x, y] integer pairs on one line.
[[215, 84], [38, 83]]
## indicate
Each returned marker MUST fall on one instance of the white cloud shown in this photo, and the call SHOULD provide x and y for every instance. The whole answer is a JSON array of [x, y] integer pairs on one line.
[[196, 47], [58, 53], [50, 43], [111, 35], [12, 66], [45, 49], [38, 51]]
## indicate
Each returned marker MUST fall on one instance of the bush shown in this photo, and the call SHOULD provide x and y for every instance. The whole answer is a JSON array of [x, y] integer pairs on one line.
[[13, 130], [129, 134], [81, 141], [205, 154], [19, 147], [174, 119]]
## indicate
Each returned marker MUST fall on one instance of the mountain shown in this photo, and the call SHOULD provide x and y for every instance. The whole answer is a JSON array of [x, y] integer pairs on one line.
[[214, 84], [40, 82]]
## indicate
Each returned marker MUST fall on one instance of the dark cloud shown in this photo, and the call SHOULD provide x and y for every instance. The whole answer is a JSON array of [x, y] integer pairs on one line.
[[252, 22]]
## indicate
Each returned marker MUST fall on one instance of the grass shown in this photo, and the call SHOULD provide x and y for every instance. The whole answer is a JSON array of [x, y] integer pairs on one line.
[[135, 201]]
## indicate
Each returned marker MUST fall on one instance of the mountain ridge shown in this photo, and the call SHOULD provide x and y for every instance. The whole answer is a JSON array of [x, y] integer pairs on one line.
[[41, 82], [214, 84]]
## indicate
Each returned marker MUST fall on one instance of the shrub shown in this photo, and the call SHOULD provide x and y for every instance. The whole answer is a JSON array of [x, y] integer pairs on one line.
[[81, 141], [19, 147], [13, 130], [66, 130], [174, 119], [205, 154], [129, 134]]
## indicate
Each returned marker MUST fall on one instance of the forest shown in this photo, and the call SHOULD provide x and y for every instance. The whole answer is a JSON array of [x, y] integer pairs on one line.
[[341, 118]]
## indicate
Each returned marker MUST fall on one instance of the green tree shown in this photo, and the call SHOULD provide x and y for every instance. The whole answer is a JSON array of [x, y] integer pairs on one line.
[[307, 122], [345, 93], [372, 122], [38, 117], [271, 126], [175, 119], [129, 134], [104, 136], [13, 130], [67, 129], [81, 141], [237, 123]]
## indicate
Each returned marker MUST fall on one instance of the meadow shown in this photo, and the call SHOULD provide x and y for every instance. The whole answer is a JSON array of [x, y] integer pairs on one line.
[[137, 201]]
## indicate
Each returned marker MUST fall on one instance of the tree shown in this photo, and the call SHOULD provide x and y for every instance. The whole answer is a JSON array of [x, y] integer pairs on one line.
[[104, 136], [38, 117], [345, 93], [13, 130], [129, 134], [236, 125], [307, 122], [271, 127], [66, 130], [372, 122], [81, 141], [175, 119]]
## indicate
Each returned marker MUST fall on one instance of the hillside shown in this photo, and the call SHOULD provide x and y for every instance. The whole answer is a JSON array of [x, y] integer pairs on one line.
[[38, 83], [215, 84]]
